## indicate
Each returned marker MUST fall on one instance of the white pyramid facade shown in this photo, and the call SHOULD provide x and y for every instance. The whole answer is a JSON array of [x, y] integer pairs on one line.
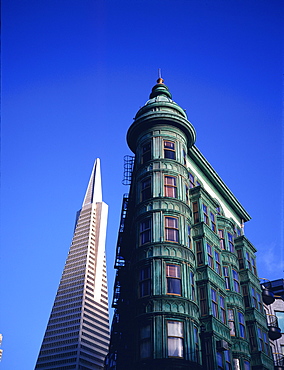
[[77, 334]]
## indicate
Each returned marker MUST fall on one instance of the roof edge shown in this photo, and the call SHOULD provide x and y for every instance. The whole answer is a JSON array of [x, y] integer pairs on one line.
[[206, 167]]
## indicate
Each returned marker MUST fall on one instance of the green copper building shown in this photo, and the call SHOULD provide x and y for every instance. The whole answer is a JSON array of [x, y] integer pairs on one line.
[[187, 294]]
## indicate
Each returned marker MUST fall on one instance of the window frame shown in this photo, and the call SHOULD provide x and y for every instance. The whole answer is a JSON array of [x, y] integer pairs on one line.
[[213, 221], [217, 263], [203, 300], [191, 180], [146, 191], [145, 232], [169, 152], [223, 316], [210, 259], [145, 281], [242, 328], [231, 242], [145, 341], [214, 303], [173, 281], [231, 322], [199, 253], [205, 214], [170, 187], [146, 153], [226, 273], [236, 281], [173, 229], [180, 338], [195, 210], [221, 235]]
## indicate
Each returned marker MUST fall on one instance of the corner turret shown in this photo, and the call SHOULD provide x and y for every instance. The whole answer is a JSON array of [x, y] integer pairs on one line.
[[160, 109]]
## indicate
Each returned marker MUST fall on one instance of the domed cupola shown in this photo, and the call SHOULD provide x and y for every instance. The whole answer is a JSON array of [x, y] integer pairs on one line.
[[160, 109]]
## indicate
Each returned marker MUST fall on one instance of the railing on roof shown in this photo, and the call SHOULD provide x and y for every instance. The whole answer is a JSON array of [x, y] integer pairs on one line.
[[128, 168]]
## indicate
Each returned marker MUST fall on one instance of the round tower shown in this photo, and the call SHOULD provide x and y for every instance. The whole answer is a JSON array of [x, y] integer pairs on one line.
[[162, 309]]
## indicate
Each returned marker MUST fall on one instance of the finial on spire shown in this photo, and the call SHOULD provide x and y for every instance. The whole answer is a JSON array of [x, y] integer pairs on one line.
[[160, 80]]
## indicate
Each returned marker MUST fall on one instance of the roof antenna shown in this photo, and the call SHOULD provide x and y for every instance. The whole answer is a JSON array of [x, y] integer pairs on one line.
[[160, 80]]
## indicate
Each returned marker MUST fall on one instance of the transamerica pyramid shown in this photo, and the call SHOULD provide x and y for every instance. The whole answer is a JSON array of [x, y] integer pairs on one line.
[[77, 334]]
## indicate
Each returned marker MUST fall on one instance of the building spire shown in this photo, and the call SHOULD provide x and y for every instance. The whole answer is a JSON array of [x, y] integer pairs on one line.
[[94, 190], [160, 79]]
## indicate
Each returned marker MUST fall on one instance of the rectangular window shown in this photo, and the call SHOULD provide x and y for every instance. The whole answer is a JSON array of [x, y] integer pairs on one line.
[[184, 156], [145, 342], [245, 295], [173, 279], [222, 308], [175, 338], [227, 277], [170, 186], [253, 265], [260, 340], [259, 302], [252, 338], [220, 360], [146, 152], [231, 322], [248, 261], [214, 303], [213, 222], [223, 360], [222, 238], [254, 300], [210, 256], [246, 365], [196, 343], [145, 281], [203, 300], [195, 212], [241, 259], [227, 360], [171, 229], [192, 286], [186, 190], [169, 149], [217, 263], [280, 317], [205, 214], [191, 180], [266, 344], [146, 191], [199, 253], [231, 243], [188, 236], [242, 325], [236, 281], [145, 231]]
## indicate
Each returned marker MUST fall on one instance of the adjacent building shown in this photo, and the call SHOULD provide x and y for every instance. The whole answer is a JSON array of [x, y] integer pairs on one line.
[[273, 298], [77, 334], [187, 293]]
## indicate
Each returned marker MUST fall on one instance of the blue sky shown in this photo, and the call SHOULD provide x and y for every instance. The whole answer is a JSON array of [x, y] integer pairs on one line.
[[74, 73]]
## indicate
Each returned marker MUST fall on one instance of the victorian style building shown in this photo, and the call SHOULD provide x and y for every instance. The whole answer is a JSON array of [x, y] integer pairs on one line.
[[186, 294]]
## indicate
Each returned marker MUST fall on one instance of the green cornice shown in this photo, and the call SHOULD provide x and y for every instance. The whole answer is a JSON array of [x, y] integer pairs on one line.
[[212, 175], [151, 119]]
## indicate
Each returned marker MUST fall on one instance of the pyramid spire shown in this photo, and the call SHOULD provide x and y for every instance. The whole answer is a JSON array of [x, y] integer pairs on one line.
[[94, 189]]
